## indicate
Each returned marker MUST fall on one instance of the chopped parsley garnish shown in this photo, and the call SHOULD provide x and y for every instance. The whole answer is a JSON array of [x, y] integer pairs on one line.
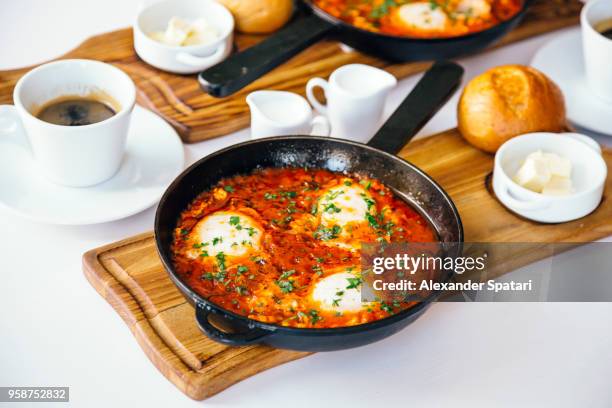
[[234, 220], [242, 269], [289, 194], [207, 276], [336, 302], [200, 245], [284, 283], [221, 260], [366, 183], [348, 183], [382, 9], [220, 276], [258, 260], [270, 196], [326, 234], [332, 195], [372, 221], [317, 269], [331, 208], [251, 231], [386, 308], [314, 316], [229, 189], [388, 227], [370, 203], [291, 207], [285, 286], [313, 209], [286, 274], [241, 290], [217, 240], [354, 283]]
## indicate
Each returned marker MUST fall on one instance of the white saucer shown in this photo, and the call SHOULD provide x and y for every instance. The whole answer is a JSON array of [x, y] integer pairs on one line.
[[154, 157], [561, 59]]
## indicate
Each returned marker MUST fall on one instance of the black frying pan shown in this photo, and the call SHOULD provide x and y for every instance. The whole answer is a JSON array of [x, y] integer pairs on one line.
[[377, 160], [314, 24]]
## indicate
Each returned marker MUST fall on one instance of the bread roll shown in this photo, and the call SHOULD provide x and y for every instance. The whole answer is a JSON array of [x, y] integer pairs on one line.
[[508, 101], [259, 16]]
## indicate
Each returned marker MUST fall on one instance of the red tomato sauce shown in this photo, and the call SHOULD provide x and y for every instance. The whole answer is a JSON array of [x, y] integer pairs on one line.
[[292, 249]]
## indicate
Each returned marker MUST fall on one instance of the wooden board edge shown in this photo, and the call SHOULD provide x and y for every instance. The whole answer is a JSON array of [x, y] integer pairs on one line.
[[197, 385], [176, 371]]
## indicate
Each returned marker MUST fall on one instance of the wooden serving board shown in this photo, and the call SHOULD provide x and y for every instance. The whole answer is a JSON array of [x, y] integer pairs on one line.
[[129, 274], [197, 116]]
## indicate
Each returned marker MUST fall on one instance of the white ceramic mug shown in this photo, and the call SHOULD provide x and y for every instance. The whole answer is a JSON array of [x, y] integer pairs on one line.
[[597, 48], [356, 95], [183, 59], [280, 113], [75, 156]]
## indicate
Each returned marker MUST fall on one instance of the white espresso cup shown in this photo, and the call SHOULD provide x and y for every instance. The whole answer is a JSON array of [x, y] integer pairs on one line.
[[596, 16], [356, 95], [75, 156], [280, 113]]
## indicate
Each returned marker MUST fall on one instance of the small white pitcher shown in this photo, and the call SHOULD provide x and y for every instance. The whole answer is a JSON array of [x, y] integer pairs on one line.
[[280, 113], [356, 95]]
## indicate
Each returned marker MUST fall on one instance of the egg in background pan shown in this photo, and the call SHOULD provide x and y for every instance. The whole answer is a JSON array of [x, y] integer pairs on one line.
[[345, 206], [339, 292], [230, 232], [473, 8], [422, 16]]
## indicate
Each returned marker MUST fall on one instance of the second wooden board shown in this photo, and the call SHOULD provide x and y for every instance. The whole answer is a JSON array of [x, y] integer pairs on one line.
[[197, 116]]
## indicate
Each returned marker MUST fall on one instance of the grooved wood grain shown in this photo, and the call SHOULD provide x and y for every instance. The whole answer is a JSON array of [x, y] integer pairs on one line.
[[197, 116], [129, 275]]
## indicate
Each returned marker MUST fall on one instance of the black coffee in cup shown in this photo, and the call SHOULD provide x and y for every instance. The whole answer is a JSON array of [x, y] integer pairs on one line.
[[605, 28], [75, 111]]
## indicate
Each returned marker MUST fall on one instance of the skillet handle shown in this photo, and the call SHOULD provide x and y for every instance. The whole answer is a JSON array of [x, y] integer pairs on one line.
[[428, 96], [242, 68], [250, 336]]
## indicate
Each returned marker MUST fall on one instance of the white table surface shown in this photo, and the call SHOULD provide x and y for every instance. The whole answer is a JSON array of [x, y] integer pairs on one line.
[[55, 330]]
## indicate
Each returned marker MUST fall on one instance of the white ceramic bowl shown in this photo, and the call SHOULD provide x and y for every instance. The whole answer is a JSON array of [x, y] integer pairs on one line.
[[589, 172], [183, 59]]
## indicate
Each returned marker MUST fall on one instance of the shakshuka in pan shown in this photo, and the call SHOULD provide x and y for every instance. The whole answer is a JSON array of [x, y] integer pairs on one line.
[[282, 245]]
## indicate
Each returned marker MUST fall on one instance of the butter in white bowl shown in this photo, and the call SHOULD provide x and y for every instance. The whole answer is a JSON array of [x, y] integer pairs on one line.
[[180, 32], [587, 168], [183, 36], [546, 173]]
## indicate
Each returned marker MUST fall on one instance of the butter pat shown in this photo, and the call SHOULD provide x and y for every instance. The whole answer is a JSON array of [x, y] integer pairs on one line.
[[181, 33], [558, 166], [546, 173], [558, 186]]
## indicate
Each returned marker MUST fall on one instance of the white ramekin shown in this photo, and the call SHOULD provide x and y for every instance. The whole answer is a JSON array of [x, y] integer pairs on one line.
[[183, 59], [589, 172]]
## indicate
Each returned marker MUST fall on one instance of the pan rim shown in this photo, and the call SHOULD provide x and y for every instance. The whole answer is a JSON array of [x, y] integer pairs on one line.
[[273, 328]]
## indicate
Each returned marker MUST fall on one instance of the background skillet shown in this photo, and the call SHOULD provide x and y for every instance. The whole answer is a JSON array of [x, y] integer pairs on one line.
[[376, 159], [312, 24]]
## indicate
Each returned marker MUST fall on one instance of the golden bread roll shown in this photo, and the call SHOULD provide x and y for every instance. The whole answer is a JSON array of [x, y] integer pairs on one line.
[[508, 101], [259, 16]]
